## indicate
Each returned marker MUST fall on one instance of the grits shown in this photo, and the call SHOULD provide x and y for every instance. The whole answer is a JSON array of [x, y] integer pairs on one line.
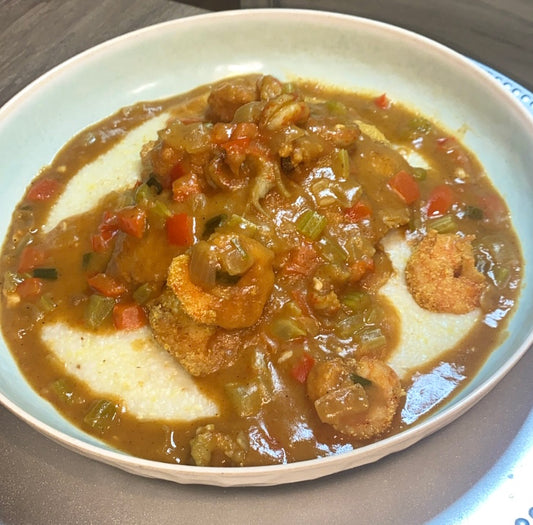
[[115, 170], [130, 366]]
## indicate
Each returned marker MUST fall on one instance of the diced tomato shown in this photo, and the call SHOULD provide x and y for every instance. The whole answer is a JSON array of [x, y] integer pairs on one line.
[[132, 220], [43, 189], [108, 228], [179, 229], [106, 285], [382, 101], [358, 212], [440, 200], [236, 146], [177, 171], [245, 129], [31, 257], [30, 287], [301, 369], [360, 268], [185, 187], [301, 260], [300, 297], [128, 316], [101, 241], [406, 186], [221, 132]]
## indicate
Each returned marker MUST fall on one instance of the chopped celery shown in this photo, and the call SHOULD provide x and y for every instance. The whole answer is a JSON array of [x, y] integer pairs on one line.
[[311, 224], [444, 224], [98, 309], [143, 293], [263, 376], [331, 250], [336, 107], [144, 194], [419, 173], [341, 164], [501, 275], [45, 273], [47, 303], [101, 415], [245, 399], [372, 338], [373, 315], [356, 300], [291, 309], [418, 126], [64, 389], [286, 329], [11, 281], [160, 209], [239, 222], [350, 326]]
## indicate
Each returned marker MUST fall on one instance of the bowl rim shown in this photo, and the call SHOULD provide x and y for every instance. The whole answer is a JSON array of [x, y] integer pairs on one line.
[[290, 472]]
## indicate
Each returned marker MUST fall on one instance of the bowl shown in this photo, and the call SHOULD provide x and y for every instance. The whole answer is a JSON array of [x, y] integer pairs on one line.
[[339, 50]]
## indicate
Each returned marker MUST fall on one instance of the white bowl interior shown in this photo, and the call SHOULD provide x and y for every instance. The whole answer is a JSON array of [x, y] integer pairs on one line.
[[338, 50]]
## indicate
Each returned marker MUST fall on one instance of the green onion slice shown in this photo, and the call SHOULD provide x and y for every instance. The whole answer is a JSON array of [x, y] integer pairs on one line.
[[359, 380], [45, 273]]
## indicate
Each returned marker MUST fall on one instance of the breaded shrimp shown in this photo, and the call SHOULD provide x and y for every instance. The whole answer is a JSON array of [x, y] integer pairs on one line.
[[199, 348], [358, 398], [230, 306], [441, 274]]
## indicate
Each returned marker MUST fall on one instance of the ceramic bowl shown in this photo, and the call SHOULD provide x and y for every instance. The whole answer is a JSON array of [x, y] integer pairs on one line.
[[339, 50]]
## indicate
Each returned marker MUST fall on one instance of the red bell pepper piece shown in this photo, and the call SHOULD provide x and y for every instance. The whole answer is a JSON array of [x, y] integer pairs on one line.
[[405, 185], [128, 316], [179, 229], [440, 200], [106, 285], [43, 189], [301, 369]]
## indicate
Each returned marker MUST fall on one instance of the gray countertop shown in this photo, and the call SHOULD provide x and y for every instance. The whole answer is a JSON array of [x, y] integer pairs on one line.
[[479, 469]]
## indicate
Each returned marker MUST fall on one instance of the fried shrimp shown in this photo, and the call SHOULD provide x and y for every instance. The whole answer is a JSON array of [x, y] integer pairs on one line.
[[441, 274], [358, 398], [199, 348], [228, 306]]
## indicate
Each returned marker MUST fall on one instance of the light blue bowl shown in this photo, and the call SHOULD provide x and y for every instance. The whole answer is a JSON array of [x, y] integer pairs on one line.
[[341, 50]]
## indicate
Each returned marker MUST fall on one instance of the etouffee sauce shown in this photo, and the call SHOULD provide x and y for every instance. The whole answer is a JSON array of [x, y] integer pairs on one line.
[[286, 429]]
